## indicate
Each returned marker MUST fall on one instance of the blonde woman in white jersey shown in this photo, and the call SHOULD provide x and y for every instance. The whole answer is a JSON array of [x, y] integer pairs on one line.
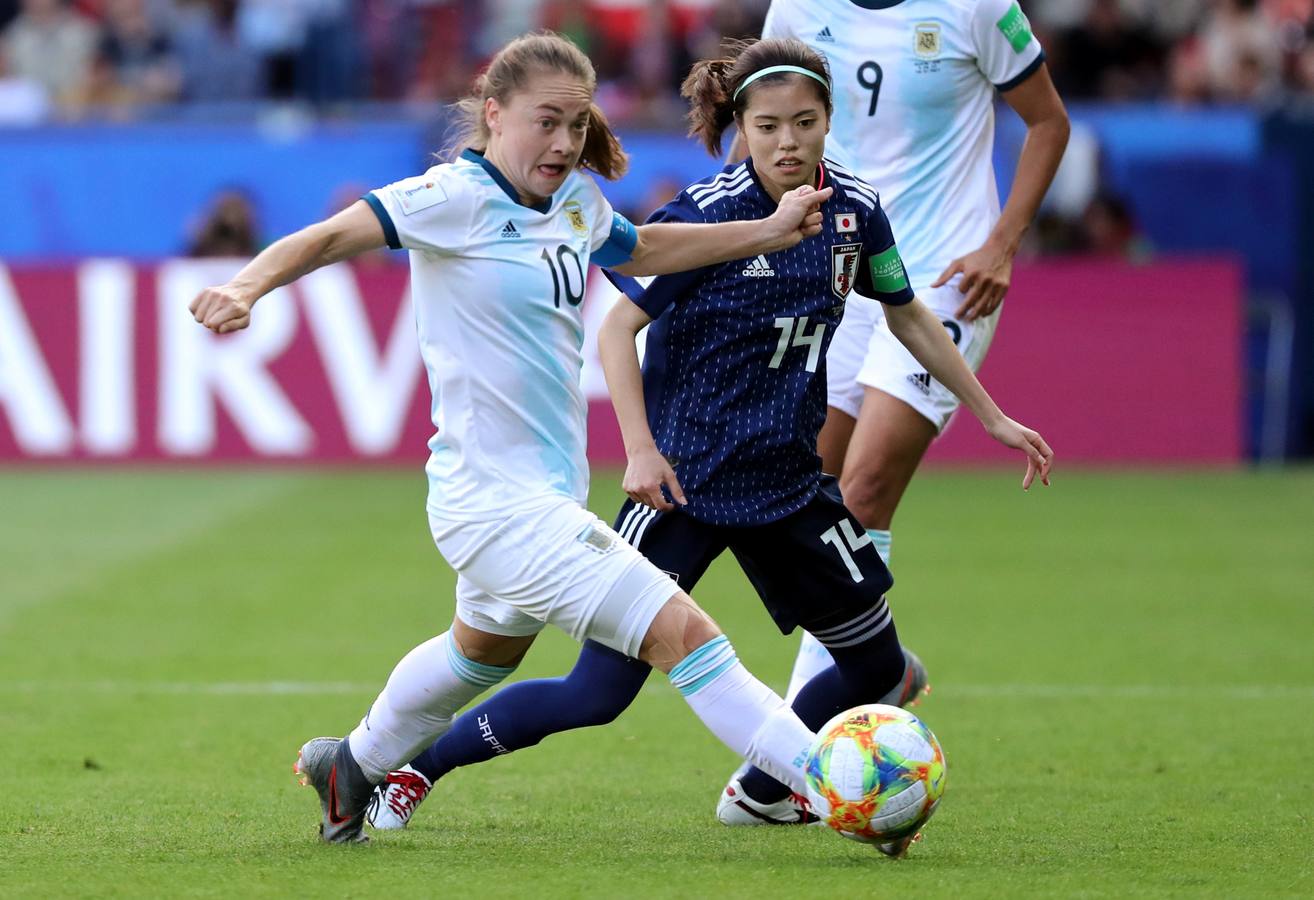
[[915, 84], [499, 241]]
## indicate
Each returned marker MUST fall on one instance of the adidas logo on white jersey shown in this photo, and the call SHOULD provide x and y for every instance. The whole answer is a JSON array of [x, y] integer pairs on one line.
[[758, 268], [921, 381], [824, 36], [509, 230]]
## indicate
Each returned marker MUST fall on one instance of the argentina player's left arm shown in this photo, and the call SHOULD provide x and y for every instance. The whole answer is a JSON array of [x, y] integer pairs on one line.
[[1010, 57], [881, 275], [666, 247]]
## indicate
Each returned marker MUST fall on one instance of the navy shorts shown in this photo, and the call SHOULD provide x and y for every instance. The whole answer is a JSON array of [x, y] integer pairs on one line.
[[815, 568]]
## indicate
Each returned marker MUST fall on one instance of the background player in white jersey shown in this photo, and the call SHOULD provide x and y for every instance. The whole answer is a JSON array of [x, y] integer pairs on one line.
[[915, 83], [500, 240]]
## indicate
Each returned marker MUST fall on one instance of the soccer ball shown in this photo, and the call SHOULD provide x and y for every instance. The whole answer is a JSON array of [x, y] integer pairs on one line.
[[875, 773]]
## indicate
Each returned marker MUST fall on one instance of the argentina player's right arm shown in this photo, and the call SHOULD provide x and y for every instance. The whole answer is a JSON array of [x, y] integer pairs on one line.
[[428, 213], [351, 232]]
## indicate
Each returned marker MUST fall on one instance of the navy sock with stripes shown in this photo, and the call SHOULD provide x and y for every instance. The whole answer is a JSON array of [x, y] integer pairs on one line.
[[863, 673], [599, 688]]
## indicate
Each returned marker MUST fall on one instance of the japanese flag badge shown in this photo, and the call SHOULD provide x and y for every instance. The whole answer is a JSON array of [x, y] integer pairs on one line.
[[846, 223]]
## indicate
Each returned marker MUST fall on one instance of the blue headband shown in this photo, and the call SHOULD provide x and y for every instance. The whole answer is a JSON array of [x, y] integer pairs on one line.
[[773, 70]]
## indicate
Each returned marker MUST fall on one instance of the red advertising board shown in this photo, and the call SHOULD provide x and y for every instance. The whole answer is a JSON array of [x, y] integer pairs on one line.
[[101, 362]]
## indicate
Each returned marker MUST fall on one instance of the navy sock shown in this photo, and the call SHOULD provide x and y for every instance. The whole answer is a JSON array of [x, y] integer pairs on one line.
[[599, 688], [861, 674]]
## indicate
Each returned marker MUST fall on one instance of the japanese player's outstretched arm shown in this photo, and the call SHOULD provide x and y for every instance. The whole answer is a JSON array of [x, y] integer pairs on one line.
[[921, 331], [351, 232], [646, 470], [665, 247]]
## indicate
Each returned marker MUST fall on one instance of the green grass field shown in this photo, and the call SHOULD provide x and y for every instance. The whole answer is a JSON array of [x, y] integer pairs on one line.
[[1122, 667]]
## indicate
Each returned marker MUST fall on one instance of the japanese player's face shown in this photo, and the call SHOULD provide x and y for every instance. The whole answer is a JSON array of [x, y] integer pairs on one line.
[[785, 125], [537, 135]]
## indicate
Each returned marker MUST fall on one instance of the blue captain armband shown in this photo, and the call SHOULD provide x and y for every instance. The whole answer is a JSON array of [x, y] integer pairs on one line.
[[619, 246]]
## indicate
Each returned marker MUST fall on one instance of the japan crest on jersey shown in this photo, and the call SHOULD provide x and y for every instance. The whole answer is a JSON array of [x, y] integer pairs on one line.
[[843, 267]]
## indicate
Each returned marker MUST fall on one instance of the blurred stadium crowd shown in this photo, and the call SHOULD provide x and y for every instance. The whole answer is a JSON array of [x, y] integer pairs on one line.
[[116, 59]]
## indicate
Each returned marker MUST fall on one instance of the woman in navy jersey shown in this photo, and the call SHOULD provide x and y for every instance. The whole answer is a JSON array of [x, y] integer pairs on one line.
[[721, 426]]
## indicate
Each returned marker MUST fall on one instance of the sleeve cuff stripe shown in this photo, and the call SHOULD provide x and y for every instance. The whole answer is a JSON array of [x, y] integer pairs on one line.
[[1023, 75], [389, 230]]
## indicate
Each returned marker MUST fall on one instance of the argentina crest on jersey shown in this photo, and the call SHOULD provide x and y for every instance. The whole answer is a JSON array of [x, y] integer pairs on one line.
[[843, 267], [926, 40], [575, 216]]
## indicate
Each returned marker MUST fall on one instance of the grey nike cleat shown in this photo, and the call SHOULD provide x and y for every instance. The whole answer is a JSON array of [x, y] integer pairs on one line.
[[344, 792], [899, 849], [914, 685]]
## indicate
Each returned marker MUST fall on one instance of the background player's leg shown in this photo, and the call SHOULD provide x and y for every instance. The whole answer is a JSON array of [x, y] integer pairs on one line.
[[886, 448]]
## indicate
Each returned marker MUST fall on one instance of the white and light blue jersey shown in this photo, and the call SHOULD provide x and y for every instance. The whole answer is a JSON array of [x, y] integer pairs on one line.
[[497, 287], [915, 83]]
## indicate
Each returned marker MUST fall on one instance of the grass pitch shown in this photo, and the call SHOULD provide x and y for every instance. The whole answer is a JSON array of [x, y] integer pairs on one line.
[[1122, 675]]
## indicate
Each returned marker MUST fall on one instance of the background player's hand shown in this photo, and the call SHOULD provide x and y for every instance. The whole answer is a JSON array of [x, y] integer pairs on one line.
[[221, 309], [645, 473], [987, 273], [798, 216], [1039, 457]]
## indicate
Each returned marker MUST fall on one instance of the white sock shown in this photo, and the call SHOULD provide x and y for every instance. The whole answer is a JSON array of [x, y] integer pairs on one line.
[[424, 692], [744, 713], [812, 657]]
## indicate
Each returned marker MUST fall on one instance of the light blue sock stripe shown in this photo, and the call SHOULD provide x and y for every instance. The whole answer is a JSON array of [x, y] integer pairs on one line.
[[707, 679], [471, 672], [694, 662], [881, 538], [704, 665]]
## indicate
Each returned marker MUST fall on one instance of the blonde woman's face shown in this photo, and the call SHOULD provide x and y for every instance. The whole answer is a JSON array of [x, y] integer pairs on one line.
[[537, 135], [785, 126]]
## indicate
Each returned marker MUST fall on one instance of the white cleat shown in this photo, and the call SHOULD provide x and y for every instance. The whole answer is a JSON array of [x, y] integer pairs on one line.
[[737, 808], [395, 800]]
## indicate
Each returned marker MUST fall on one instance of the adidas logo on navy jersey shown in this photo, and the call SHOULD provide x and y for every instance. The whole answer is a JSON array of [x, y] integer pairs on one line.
[[758, 268], [825, 37], [509, 230], [922, 382]]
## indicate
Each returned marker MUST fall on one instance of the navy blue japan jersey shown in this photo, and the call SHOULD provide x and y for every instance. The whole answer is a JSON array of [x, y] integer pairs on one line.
[[734, 373]]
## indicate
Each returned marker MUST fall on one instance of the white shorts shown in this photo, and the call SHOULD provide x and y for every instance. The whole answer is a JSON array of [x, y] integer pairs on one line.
[[865, 353], [553, 563]]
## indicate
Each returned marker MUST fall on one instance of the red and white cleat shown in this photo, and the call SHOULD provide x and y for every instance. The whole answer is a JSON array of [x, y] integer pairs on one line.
[[395, 800]]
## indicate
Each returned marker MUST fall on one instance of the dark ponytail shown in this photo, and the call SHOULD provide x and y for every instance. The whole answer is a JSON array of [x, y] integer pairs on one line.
[[711, 85]]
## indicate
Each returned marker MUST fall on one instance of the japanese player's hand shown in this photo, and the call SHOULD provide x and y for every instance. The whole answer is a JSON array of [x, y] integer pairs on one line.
[[987, 273], [798, 215], [1039, 457], [221, 309], [645, 474]]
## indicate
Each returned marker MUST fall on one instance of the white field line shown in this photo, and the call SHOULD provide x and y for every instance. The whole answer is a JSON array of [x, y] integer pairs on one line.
[[654, 686]]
